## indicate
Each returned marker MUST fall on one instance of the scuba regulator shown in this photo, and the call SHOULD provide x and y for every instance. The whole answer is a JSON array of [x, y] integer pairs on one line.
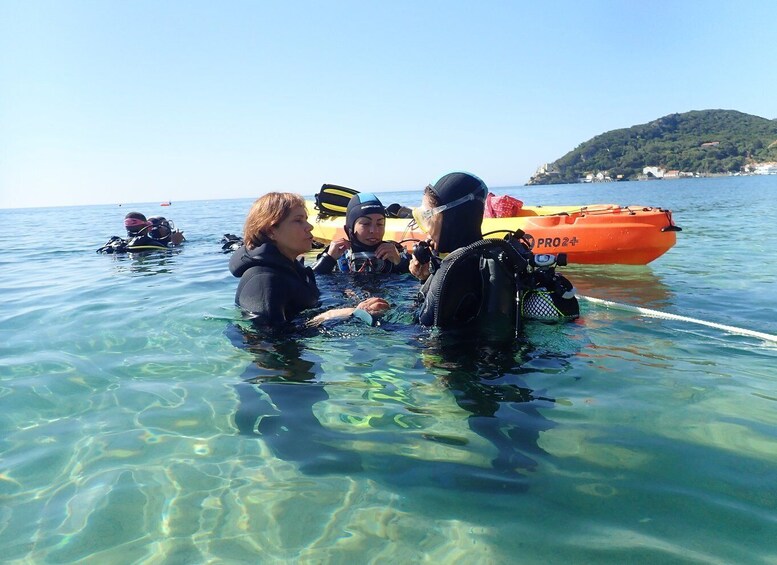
[[422, 252]]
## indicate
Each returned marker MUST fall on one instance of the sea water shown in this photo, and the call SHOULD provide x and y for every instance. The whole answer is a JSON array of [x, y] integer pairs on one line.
[[142, 421]]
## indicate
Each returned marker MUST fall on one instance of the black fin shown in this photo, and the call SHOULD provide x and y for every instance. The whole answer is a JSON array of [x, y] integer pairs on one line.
[[332, 200]]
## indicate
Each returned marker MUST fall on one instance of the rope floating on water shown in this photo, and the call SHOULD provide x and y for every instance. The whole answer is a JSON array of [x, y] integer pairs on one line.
[[667, 316]]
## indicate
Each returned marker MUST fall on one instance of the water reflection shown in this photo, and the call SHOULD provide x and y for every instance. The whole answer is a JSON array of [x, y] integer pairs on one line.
[[147, 264], [632, 284]]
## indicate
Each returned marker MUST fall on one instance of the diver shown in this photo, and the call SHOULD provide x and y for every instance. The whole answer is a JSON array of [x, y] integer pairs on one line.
[[363, 249], [152, 234], [163, 230], [492, 283], [159, 233], [230, 242], [275, 288]]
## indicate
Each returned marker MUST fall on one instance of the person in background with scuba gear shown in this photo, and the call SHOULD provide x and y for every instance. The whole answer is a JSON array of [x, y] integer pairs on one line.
[[135, 223], [157, 228], [274, 286], [152, 234], [363, 249], [162, 229]]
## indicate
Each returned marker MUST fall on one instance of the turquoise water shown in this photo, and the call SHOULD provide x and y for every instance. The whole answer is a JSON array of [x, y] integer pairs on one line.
[[130, 401]]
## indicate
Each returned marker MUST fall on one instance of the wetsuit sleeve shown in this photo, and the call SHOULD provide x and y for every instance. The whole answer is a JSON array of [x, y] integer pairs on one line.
[[324, 263], [266, 296], [114, 245], [427, 307]]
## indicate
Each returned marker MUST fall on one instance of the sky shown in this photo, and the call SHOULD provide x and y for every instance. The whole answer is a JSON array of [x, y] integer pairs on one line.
[[107, 102]]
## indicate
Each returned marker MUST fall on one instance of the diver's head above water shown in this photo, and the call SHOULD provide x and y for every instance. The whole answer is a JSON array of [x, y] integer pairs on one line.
[[135, 223], [365, 222], [160, 228], [452, 211]]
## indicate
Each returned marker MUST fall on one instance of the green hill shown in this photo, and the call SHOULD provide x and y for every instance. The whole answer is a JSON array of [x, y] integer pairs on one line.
[[699, 142]]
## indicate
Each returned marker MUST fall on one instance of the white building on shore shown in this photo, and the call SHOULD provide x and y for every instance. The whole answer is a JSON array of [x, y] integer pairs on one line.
[[656, 172], [765, 169]]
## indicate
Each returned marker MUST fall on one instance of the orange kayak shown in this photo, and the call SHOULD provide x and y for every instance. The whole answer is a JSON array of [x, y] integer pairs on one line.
[[601, 234]]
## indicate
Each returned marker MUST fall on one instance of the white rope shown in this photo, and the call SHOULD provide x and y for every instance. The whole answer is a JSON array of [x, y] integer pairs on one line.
[[667, 316]]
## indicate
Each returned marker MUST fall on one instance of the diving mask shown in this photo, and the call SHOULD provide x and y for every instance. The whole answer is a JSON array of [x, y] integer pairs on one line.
[[365, 262], [135, 226], [423, 215]]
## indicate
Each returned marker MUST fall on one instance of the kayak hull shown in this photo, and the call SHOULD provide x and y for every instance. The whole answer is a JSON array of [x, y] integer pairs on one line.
[[602, 234]]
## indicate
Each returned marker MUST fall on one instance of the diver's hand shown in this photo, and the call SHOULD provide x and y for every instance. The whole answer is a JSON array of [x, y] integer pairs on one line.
[[337, 247], [374, 306], [177, 237], [419, 270], [388, 252]]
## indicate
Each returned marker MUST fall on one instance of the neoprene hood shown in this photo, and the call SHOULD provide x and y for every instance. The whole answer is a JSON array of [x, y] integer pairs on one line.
[[461, 225], [362, 204]]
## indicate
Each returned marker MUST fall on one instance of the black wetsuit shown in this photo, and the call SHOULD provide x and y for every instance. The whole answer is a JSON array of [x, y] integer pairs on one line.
[[138, 243], [272, 286], [146, 243], [468, 290]]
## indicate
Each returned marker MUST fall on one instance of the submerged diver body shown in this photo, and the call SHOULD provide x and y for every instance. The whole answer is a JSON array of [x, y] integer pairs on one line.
[[473, 289], [287, 379], [276, 399]]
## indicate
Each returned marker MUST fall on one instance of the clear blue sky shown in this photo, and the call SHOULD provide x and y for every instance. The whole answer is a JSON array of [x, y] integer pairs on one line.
[[145, 100]]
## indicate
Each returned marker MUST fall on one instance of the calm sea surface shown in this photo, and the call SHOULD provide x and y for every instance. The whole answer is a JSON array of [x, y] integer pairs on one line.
[[142, 422]]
